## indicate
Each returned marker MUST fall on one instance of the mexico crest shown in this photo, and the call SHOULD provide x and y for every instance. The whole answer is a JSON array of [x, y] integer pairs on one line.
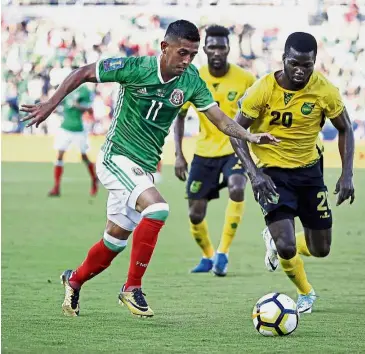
[[177, 97], [307, 108], [137, 171]]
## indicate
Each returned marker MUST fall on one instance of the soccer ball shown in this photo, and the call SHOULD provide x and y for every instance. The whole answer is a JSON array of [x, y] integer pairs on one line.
[[275, 315]]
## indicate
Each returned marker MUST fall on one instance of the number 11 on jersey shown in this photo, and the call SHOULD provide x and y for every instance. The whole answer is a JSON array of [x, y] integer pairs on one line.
[[154, 110]]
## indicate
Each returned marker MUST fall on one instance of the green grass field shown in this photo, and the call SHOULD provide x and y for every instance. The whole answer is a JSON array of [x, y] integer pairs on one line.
[[193, 313]]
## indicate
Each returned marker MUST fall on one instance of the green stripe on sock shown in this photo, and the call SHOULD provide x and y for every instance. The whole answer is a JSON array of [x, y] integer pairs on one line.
[[158, 215], [113, 247]]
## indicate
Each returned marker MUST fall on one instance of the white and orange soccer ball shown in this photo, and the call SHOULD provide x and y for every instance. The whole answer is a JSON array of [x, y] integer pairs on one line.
[[275, 315]]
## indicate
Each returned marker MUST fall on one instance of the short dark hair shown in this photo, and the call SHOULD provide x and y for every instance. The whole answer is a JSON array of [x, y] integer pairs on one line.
[[302, 42], [216, 31], [182, 29]]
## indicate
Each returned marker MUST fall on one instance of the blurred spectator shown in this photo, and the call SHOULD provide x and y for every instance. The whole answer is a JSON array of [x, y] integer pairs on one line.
[[37, 54]]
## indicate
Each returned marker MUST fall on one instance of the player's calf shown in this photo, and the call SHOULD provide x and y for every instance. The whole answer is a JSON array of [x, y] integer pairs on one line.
[[144, 242]]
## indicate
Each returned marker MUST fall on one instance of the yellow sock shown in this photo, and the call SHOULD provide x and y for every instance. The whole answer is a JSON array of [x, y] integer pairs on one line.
[[201, 236], [234, 212], [294, 269], [302, 244]]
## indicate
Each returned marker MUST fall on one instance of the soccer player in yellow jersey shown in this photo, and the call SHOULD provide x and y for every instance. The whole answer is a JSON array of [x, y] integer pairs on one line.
[[292, 104], [214, 154]]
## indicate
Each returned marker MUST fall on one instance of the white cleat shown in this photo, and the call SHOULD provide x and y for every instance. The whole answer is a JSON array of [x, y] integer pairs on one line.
[[271, 256], [305, 302]]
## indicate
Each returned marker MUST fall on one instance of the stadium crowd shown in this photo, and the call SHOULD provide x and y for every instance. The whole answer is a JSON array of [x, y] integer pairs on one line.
[[38, 54]]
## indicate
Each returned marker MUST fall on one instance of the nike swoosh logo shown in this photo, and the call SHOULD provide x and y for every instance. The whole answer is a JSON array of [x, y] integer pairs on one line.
[[257, 314], [143, 309], [271, 265]]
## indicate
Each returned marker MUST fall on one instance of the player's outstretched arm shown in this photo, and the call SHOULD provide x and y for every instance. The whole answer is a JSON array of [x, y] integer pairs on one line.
[[235, 130], [346, 146], [262, 185], [37, 113], [181, 166]]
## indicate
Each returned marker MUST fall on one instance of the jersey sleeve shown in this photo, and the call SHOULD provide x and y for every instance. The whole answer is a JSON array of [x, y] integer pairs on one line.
[[202, 99], [332, 103], [254, 100], [119, 70]]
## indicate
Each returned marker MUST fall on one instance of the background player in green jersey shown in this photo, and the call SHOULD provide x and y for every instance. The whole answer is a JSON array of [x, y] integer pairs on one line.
[[72, 132], [151, 94]]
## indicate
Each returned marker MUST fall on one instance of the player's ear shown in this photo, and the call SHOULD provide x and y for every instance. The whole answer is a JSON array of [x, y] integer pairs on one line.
[[283, 57], [164, 46], [205, 49]]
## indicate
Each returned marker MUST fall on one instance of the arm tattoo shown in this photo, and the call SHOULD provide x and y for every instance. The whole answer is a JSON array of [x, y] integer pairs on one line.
[[234, 130]]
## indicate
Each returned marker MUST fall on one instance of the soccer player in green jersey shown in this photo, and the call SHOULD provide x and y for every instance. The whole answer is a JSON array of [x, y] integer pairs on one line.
[[72, 132], [152, 91]]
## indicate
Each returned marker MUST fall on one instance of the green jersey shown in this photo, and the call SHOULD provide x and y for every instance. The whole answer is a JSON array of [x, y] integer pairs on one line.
[[72, 116], [147, 106]]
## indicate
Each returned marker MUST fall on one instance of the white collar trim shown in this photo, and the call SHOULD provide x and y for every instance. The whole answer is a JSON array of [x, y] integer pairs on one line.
[[159, 72]]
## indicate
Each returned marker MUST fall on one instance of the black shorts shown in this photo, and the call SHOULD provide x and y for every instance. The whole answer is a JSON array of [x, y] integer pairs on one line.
[[204, 176], [302, 193]]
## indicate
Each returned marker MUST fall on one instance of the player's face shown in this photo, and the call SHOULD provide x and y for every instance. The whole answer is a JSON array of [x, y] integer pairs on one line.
[[179, 54], [298, 67], [216, 49]]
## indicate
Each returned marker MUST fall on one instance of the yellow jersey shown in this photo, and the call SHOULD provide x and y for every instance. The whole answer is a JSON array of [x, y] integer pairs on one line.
[[226, 91], [295, 117]]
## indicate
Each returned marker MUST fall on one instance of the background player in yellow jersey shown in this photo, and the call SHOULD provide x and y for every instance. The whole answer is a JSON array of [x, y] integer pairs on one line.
[[288, 181], [214, 154]]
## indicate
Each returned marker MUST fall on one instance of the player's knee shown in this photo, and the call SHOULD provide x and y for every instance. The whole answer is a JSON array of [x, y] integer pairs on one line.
[[196, 216], [157, 211], [116, 231], [320, 252], [236, 193], [285, 250]]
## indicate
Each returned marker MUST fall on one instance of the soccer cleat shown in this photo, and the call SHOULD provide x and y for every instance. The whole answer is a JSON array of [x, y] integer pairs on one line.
[[54, 192], [135, 302], [70, 306], [205, 266], [220, 265], [305, 302], [94, 188], [271, 256]]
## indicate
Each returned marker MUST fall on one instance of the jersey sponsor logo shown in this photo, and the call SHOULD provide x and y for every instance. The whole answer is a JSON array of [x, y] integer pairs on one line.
[[143, 91], [307, 108], [216, 85], [113, 64], [287, 97], [137, 171], [177, 97], [195, 186], [232, 95]]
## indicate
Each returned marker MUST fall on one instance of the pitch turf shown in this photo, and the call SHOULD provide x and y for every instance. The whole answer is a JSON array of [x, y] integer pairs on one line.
[[193, 313]]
